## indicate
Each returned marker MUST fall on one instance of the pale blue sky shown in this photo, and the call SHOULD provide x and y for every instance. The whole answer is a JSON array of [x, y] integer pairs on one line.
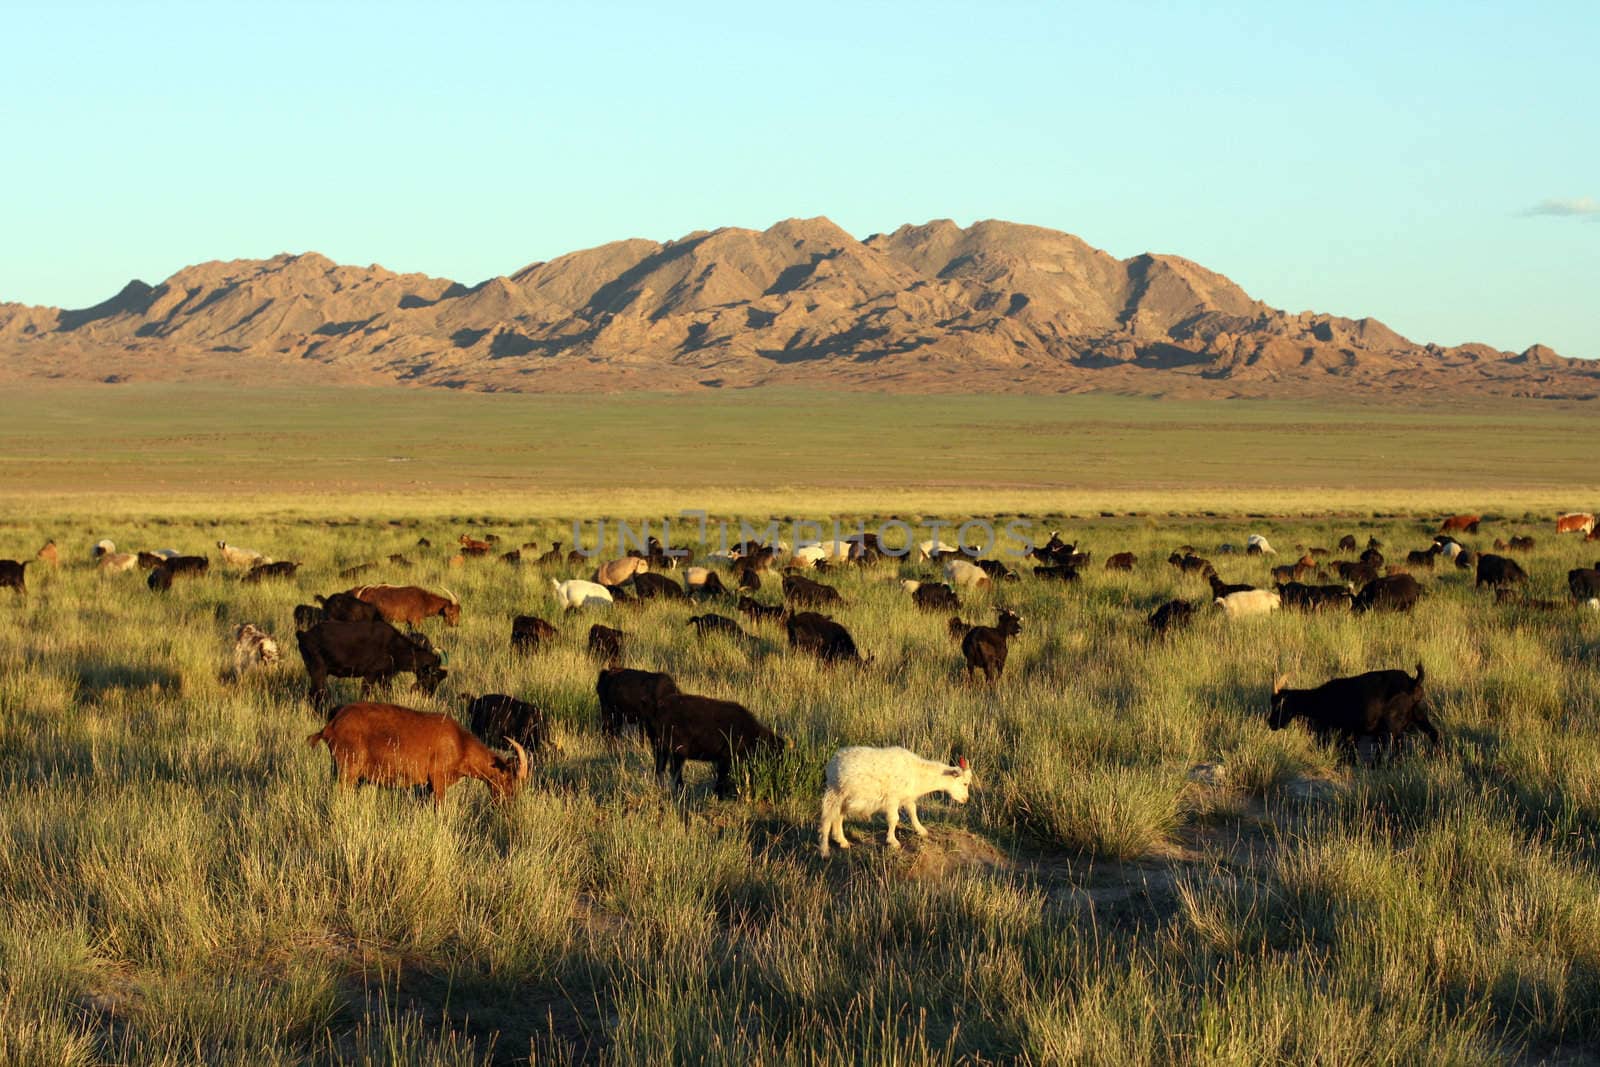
[[1382, 159]]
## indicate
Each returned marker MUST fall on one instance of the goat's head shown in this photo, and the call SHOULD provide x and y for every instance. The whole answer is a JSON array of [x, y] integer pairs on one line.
[[508, 775], [1278, 714], [958, 780], [451, 611]]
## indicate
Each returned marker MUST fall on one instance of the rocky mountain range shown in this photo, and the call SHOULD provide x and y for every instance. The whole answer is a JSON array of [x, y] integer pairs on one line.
[[993, 307]]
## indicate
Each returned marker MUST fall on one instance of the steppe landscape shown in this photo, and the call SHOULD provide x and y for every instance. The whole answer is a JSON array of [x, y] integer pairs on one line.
[[873, 534]]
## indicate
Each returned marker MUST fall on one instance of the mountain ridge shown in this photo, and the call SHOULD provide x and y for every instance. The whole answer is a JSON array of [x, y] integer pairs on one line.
[[993, 307]]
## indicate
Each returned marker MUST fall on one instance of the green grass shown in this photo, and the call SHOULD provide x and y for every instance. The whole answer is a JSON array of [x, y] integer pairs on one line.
[[180, 882], [197, 450]]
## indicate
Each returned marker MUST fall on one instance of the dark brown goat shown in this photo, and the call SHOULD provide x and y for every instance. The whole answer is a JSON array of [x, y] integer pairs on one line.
[[13, 575], [528, 632], [690, 727], [985, 646], [606, 643], [804, 591]]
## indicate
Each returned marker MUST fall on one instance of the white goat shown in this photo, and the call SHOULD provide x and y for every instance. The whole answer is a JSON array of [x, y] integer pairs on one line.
[[964, 574], [863, 781], [104, 547], [807, 555], [1261, 544], [252, 646], [117, 562], [1249, 602], [839, 551], [926, 550], [620, 570], [576, 592], [234, 556]]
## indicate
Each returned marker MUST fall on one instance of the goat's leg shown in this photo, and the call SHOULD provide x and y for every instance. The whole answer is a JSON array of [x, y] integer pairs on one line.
[[894, 821], [832, 826], [911, 817]]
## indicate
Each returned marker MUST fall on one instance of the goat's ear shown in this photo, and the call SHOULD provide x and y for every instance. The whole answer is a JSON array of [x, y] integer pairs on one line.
[[1278, 683], [952, 772]]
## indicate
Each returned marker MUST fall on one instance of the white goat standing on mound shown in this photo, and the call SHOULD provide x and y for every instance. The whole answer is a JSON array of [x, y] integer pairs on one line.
[[863, 781]]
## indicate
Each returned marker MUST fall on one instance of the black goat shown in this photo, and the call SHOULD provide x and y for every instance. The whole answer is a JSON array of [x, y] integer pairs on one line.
[[1173, 615], [935, 596], [1498, 570], [822, 637], [1315, 597], [1395, 592], [631, 697], [495, 716], [1385, 705]]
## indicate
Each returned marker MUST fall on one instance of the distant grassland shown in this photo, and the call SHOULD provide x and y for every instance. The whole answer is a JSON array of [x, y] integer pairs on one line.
[[191, 449]]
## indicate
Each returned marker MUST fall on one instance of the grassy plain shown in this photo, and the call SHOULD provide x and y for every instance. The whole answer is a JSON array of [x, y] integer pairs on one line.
[[180, 882], [201, 451]]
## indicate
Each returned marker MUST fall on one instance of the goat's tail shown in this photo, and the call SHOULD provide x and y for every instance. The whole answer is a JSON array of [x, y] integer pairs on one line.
[[1418, 683], [320, 735]]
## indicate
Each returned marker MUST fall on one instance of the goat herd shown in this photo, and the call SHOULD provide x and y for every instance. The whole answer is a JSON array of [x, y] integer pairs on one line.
[[355, 634]]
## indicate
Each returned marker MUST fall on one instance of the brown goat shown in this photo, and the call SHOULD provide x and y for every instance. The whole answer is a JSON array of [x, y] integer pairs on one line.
[[1293, 572], [409, 604], [390, 745]]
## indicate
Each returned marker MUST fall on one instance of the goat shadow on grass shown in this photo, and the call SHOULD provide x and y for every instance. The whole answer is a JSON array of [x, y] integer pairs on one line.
[[97, 682], [81, 759], [1480, 742], [1251, 699], [949, 843], [559, 1018], [772, 835], [603, 776]]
